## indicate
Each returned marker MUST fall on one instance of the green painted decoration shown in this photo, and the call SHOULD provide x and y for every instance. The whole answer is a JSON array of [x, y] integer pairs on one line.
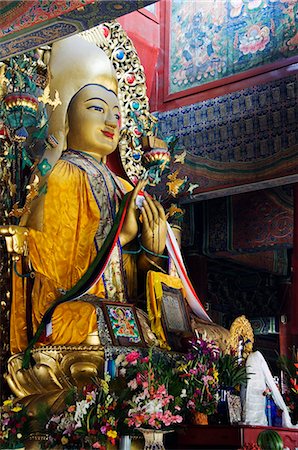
[[44, 166]]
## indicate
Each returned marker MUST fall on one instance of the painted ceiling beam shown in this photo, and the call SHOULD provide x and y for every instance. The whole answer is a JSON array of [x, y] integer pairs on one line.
[[239, 189], [28, 24]]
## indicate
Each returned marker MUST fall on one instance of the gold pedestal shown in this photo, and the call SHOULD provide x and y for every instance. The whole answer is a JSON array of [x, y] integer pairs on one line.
[[56, 370]]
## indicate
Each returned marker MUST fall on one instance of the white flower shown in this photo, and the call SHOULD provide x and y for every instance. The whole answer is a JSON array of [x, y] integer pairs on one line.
[[153, 406], [81, 409], [183, 393]]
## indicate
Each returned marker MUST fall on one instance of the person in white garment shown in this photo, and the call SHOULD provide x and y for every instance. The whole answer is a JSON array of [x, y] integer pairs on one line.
[[259, 379]]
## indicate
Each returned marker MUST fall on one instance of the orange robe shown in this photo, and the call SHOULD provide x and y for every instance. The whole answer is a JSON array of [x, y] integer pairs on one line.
[[65, 247]]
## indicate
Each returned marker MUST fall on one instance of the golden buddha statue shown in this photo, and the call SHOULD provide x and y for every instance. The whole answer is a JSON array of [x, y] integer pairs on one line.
[[79, 201], [77, 211]]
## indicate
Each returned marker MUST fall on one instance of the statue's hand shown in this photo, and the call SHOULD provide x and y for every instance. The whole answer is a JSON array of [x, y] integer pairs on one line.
[[130, 226], [16, 240], [154, 229]]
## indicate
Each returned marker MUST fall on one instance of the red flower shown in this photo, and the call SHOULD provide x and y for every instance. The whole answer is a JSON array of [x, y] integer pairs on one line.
[[132, 357], [294, 384], [92, 431]]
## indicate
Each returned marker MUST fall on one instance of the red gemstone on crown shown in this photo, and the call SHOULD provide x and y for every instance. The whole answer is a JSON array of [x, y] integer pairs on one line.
[[105, 31], [130, 78]]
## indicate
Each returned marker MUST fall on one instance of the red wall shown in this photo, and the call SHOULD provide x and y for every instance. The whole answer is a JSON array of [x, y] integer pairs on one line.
[[142, 27]]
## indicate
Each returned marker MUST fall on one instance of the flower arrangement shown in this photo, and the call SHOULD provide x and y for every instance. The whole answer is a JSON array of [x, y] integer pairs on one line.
[[199, 371], [87, 423], [153, 393], [14, 423]]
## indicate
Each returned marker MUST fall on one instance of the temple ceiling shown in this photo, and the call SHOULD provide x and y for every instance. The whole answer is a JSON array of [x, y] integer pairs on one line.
[[26, 25]]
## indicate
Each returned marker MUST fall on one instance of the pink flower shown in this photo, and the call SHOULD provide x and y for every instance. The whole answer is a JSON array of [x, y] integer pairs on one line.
[[152, 421], [132, 357], [133, 384], [161, 391], [191, 404], [206, 379], [255, 39], [178, 419]]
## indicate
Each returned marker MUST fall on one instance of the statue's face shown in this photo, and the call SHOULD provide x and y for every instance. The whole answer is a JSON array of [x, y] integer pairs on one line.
[[94, 121]]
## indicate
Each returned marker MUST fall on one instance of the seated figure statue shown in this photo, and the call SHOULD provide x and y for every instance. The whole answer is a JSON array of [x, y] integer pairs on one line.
[[79, 202], [79, 216], [82, 215]]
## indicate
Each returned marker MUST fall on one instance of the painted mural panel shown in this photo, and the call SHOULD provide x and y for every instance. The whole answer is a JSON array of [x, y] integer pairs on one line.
[[214, 39]]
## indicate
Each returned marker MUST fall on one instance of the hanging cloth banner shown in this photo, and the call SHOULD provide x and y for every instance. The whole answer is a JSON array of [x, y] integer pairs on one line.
[[191, 296]]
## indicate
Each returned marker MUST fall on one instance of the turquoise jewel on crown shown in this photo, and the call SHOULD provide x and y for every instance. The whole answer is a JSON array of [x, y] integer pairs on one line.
[[135, 105]]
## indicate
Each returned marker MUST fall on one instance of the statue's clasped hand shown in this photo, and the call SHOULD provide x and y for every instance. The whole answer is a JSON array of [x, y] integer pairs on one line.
[[16, 240], [145, 218], [154, 226], [130, 226]]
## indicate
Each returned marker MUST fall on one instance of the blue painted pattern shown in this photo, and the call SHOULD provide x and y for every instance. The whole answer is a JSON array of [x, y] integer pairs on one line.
[[243, 126]]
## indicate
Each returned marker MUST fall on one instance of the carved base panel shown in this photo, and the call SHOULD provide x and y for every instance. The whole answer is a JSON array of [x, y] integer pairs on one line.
[[37, 441]]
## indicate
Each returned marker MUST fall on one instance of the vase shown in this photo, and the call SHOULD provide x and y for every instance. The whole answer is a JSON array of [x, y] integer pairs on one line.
[[200, 418], [125, 443], [153, 439]]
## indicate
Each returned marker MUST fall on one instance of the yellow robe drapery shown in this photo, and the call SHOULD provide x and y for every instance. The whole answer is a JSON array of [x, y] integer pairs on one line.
[[62, 251]]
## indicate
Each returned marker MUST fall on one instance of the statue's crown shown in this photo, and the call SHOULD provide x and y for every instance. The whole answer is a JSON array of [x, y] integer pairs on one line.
[[75, 63]]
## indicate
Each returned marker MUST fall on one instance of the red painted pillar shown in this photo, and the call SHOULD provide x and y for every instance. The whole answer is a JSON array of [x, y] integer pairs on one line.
[[293, 319]]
